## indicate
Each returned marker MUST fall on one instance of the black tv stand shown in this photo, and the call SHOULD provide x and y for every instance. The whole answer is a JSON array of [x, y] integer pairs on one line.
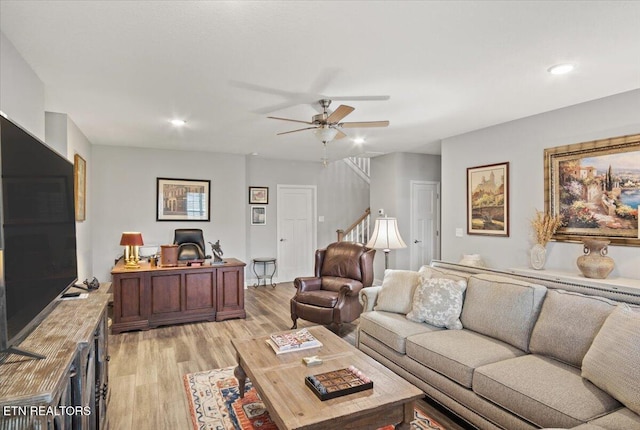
[[17, 351]]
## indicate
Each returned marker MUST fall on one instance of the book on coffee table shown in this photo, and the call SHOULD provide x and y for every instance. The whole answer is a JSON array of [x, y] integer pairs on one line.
[[293, 341]]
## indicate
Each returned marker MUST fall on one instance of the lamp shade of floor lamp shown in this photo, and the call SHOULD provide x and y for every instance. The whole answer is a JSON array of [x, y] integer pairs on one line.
[[132, 241], [386, 236]]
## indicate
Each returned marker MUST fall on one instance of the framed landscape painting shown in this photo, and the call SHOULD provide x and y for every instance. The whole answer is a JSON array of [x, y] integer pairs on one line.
[[258, 195], [183, 199], [488, 200], [595, 188]]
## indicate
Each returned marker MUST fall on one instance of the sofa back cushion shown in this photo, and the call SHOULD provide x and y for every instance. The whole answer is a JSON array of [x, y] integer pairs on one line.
[[567, 324], [612, 360], [428, 272], [396, 294], [502, 308]]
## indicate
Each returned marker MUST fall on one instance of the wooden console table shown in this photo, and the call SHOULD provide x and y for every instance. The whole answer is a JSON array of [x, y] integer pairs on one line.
[[153, 296]]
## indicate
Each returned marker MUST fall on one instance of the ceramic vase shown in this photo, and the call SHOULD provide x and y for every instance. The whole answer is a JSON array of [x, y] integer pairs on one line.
[[595, 263], [538, 256]]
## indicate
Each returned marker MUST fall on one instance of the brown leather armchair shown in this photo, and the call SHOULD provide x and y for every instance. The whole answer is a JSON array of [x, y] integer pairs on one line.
[[331, 296]]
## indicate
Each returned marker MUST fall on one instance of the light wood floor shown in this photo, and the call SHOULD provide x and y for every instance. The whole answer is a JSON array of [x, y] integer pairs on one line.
[[146, 367]]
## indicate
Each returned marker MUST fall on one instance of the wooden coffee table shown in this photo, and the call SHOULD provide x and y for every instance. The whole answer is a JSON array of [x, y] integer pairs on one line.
[[279, 380]]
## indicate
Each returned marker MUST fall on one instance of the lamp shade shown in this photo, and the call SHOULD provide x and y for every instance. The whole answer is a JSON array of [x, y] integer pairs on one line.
[[131, 238], [386, 235]]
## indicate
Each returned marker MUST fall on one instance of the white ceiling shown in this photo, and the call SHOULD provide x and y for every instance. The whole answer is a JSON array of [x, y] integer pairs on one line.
[[122, 69]]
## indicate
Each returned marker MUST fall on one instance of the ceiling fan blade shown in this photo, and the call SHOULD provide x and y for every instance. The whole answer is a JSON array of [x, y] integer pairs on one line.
[[363, 124], [360, 98], [338, 114], [288, 119], [293, 131], [340, 135]]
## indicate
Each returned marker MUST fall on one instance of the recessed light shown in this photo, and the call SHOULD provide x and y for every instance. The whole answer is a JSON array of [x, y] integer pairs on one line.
[[561, 69], [178, 122], [358, 140], [254, 154]]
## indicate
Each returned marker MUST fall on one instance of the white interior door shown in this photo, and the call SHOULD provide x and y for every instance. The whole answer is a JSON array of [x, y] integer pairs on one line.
[[424, 243], [296, 231]]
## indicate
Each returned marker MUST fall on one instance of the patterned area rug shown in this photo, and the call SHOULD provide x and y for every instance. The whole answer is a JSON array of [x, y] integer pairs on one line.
[[215, 404]]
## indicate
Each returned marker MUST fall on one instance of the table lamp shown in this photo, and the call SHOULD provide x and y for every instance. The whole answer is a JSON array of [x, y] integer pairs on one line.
[[131, 240], [386, 236]]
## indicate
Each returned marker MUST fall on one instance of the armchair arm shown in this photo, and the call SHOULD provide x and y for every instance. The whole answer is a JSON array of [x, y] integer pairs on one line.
[[307, 284], [349, 289], [368, 297]]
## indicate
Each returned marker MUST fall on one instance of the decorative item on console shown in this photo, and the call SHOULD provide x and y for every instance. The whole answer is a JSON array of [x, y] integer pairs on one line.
[[595, 263], [216, 250], [472, 260], [544, 226]]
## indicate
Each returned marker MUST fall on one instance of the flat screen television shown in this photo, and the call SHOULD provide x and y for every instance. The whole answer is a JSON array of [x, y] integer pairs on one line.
[[38, 234]]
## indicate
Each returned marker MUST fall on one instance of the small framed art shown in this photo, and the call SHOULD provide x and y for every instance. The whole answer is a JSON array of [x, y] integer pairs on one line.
[[488, 200], [258, 215], [258, 195]]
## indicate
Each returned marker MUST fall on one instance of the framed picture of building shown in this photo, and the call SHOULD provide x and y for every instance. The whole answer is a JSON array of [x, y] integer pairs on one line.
[[183, 199], [488, 200], [595, 187]]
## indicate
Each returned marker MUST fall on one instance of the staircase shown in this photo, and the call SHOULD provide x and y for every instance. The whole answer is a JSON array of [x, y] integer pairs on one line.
[[360, 165]]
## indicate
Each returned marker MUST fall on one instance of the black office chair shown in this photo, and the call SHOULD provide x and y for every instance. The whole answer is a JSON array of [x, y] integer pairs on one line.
[[190, 243]]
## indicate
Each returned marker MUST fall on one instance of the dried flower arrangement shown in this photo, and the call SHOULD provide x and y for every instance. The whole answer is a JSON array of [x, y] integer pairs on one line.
[[545, 225]]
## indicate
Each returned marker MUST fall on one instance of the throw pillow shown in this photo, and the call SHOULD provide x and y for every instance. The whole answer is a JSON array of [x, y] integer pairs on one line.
[[438, 302], [397, 291], [612, 360]]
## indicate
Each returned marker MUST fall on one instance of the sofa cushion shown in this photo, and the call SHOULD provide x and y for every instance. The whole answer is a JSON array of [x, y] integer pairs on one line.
[[438, 302], [542, 390], [322, 298], [398, 287], [428, 272], [502, 307], [622, 419], [613, 361], [392, 329], [567, 324], [457, 353]]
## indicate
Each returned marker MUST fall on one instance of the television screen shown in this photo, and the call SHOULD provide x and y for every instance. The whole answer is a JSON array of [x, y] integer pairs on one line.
[[38, 227]]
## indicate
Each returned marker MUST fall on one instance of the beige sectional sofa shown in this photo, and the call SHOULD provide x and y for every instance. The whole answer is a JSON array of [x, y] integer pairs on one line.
[[528, 356]]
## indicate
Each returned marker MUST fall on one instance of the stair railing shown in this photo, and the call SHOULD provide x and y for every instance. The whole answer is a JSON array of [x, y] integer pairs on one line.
[[358, 231]]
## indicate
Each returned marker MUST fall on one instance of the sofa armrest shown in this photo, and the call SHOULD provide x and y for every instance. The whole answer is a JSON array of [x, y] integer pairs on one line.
[[307, 284], [368, 297]]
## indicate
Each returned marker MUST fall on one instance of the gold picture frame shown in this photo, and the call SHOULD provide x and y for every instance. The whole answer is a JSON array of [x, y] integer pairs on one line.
[[80, 187], [595, 187], [488, 200]]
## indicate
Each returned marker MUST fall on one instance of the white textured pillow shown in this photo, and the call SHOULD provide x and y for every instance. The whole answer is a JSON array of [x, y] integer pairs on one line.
[[611, 362], [397, 291], [438, 302]]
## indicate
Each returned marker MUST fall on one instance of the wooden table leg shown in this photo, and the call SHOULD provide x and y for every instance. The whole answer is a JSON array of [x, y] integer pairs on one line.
[[241, 376], [408, 416]]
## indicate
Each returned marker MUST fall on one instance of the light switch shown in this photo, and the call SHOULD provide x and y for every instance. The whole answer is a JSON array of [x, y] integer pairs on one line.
[[459, 232], [321, 218]]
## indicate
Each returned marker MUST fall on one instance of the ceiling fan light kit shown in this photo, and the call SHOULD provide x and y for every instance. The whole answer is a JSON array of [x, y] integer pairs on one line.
[[325, 134]]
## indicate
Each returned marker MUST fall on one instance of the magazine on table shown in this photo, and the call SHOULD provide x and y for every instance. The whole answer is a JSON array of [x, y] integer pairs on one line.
[[293, 341]]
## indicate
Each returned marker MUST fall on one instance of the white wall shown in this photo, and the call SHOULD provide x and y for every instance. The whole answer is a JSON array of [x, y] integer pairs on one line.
[[124, 199], [21, 90], [391, 176], [342, 196], [522, 143]]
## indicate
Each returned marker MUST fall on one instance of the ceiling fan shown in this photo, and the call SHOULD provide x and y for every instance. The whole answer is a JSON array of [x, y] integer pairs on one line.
[[327, 126]]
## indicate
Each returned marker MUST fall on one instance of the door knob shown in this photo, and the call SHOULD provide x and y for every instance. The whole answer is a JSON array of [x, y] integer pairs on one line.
[[282, 240], [417, 241]]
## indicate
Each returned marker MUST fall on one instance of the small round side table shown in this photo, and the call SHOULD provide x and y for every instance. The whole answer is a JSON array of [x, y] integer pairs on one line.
[[265, 262]]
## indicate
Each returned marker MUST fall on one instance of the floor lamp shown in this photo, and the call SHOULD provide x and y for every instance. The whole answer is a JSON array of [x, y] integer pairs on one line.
[[386, 236]]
